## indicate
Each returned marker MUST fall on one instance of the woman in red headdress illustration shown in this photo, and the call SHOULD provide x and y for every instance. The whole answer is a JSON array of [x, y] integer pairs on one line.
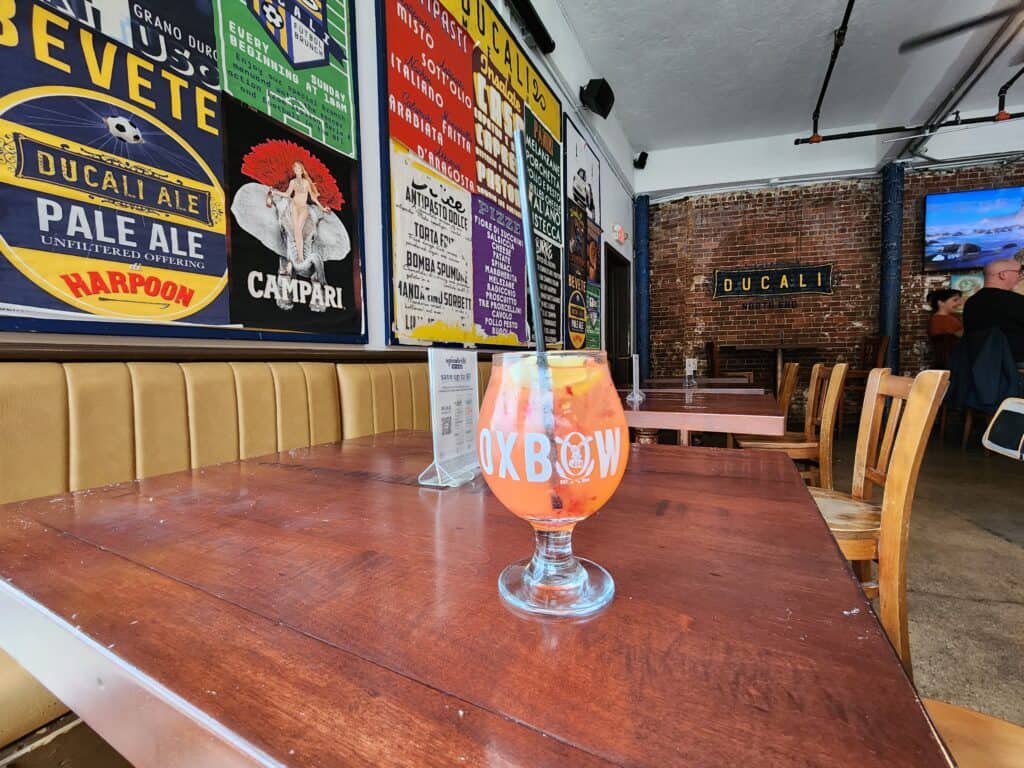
[[290, 209]]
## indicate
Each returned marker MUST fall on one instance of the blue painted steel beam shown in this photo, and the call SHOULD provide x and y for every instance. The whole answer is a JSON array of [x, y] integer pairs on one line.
[[642, 278], [892, 262]]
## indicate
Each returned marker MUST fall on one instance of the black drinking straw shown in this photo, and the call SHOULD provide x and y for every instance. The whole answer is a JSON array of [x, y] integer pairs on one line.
[[543, 370], [531, 256]]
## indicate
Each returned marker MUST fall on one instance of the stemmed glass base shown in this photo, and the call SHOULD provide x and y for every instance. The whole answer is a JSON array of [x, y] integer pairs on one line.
[[554, 582]]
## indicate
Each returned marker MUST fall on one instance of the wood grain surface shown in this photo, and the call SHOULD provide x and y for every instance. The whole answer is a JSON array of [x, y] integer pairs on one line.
[[318, 607], [708, 412]]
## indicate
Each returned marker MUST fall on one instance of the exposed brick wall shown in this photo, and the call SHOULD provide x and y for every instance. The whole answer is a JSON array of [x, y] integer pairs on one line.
[[837, 222], [915, 350]]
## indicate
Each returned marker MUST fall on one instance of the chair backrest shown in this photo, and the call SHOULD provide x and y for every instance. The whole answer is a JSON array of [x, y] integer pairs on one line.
[[898, 415], [790, 372], [714, 361], [833, 381], [815, 400], [942, 348], [872, 352]]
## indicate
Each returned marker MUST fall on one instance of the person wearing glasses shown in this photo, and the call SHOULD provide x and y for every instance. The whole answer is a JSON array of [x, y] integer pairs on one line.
[[997, 306]]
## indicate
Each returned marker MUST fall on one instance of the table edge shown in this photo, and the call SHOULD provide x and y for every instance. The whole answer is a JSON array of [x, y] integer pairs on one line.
[[46, 646]]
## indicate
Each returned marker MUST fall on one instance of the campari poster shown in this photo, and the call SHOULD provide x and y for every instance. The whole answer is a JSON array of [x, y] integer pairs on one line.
[[114, 216], [458, 87], [111, 196], [296, 262]]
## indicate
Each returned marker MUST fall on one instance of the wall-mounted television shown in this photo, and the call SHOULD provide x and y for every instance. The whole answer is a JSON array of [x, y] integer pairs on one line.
[[966, 230]]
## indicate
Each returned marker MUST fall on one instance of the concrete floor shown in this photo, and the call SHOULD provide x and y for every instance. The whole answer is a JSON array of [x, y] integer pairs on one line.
[[965, 576]]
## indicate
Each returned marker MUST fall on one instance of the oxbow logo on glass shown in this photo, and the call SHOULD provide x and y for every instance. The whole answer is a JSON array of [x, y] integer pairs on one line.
[[503, 453]]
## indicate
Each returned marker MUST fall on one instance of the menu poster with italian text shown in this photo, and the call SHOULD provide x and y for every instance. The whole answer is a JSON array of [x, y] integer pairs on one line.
[[291, 60], [432, 238], [295, 250], [549, 279], [593, 286], [544, 196], [111, 197], [576, 276], [458, 88]]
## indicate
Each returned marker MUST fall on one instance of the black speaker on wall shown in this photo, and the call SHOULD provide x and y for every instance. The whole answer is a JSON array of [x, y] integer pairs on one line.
[[598, 97], [640, 161]]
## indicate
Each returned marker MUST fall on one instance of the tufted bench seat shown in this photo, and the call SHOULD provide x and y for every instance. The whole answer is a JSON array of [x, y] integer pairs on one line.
[[71, 426]]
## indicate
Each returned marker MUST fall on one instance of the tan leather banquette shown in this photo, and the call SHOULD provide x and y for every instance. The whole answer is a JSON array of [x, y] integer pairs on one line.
[[70, 426]]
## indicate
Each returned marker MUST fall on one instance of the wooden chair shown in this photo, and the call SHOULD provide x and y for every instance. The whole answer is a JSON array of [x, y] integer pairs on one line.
[[790, 374], [977, 740], [897, 417], [714, 360], [872, 355], [891, 458], [811, 448]]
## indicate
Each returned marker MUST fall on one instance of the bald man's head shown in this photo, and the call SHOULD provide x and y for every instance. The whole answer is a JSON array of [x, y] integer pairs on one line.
[[1004, 274]]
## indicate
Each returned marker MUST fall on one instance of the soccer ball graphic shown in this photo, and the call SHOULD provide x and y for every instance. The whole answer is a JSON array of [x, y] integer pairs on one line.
[[124, 129], [273, 15]]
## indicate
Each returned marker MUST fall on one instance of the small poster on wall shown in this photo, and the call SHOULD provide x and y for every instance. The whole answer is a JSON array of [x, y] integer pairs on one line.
[[290, 59], [433, 245], [295, 256], [111, 197], [593, 286], [576, 276], [582, 172]]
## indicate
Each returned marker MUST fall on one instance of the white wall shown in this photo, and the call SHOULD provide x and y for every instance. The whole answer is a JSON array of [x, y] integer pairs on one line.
[[752, 161]]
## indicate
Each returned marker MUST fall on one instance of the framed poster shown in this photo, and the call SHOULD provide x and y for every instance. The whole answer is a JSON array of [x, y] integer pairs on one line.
[[583, 262], [296, 260], [291, 60], [114, 217], [457, 86], [582, 173], [111, 196]]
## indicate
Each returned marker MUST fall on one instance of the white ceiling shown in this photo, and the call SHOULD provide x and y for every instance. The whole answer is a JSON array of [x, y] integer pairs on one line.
[[693, 72]]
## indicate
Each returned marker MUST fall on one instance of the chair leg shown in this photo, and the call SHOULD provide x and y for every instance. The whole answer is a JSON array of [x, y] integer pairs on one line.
[[862, 568], [968, 426], [730, 441]]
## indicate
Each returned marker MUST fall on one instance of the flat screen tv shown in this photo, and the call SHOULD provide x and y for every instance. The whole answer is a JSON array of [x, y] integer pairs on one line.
[[966, 230]]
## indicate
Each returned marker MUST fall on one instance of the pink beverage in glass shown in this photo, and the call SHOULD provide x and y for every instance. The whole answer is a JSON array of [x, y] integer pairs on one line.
[[553, 446]]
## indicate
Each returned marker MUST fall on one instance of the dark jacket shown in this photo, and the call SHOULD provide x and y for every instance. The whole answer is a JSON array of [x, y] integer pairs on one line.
[[982, 372]]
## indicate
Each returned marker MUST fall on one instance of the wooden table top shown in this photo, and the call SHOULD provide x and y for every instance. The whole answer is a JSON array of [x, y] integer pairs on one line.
[[702, 381], [708, 412], [772, 346], [665, 389], [318, 607]]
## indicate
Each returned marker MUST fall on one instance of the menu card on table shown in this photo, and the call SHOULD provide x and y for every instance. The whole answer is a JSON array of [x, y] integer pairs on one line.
[[454, 410]]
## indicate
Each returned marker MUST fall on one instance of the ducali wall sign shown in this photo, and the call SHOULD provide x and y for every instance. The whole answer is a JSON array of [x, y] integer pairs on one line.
[[773, 281]]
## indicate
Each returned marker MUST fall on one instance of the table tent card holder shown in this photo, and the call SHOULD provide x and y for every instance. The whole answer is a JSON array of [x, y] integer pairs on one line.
[[454, 411]]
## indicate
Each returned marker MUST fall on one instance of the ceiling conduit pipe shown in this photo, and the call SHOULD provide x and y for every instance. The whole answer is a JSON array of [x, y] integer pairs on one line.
[[838, 38], [957, 93], [1003, 114], [908, 128]]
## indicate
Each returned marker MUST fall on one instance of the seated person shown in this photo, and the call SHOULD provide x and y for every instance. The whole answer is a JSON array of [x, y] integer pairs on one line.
[[945, 301], [997, 306]]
